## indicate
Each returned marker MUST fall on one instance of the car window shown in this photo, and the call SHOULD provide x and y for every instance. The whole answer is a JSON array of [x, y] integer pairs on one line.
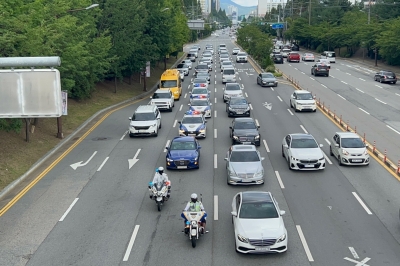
[[199, 91], [287, 139], [192, 120], [182, 145], [200, 80], [267, 75], [202, 66], [304, 144], [229, 72], [226, 63], [237, 203], [169, 83], [258, 210], [237, 101], [304, 96], [232, 87], [161, 95], [352, 143], [388, 73], [244, 156], [245, 125], [241, 54], [143, 117]]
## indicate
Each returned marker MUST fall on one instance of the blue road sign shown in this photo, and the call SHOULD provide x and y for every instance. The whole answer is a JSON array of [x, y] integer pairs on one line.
[[277, 26]]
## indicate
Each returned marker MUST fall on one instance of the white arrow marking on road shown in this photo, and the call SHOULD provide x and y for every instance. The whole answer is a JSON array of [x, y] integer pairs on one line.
[[359, 263], [353, 251], [267, 105], [79, 164], [134, 160]]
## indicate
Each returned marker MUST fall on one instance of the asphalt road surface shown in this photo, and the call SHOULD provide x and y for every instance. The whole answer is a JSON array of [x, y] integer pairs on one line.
[[100, 213]]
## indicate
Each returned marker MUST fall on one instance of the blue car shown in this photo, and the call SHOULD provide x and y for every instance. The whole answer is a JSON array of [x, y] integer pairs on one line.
[[183, 153]]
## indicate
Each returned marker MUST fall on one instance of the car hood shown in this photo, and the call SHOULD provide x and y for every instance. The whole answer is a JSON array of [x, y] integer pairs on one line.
[[191, 127], [305, 154], [261, 228], [241, 106], [306, 101], [354, 150], [199, 108], [269, 79], [246, 168], [161, 100], [142, 123], [182, 154], [246, 132]]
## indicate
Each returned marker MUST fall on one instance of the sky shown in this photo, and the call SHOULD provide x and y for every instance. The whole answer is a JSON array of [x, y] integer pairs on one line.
[[246, 2]]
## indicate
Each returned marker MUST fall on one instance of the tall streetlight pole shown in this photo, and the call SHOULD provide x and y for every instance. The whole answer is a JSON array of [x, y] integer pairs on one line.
[[309, 13]]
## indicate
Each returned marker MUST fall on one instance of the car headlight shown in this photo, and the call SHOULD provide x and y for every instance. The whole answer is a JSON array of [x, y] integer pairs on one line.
[[257, 137], [153, 125], [169, 160], [366, 152], [230, 109], [345, 152], [281, 238], [195, 158], [293, 159], [248, 108], [202, 130], [242, 239], [235, 137], [259, 174], [299, 103], [181, 131]]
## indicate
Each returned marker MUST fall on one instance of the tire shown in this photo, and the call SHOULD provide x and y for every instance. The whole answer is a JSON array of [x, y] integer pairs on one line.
[[380, 80], [330, 151], [159, 125], [314, 110], [193, 242], [340, 160], [170, 109], [291, 105], [394, 82], [283, 154], [276, 85], [288, 162], [159, 206]]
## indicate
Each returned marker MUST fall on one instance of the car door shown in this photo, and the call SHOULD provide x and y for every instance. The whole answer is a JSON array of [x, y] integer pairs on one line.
[[228, 155], [231, 128], [293, 99], [286, 150], [259, 79], [333, 147], [158, 116], [235, 208]]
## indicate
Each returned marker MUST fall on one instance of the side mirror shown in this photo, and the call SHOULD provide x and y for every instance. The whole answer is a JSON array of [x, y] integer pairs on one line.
[[285, 146], [158, 85], [366, 145], [199, 147], [205, 121], [258, 126], [189, 104], [234, 214], [179, 122], [226, 159], [210, 104], [321, 145], [151, 97], [167, 148], [293, 97], [262, 158], [314, 97], [230, 127], [336, 145], [130, 118], [282, 212]]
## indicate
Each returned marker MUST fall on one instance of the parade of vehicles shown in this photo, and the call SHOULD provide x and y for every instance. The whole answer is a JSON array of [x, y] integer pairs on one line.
[[193, 124], [245, 131], [183, 153], [171, 80], [159, 193], [163, 99], [320, 70], [267, 79], [201, 104], [302, 100], [231, 89], [145, 121]]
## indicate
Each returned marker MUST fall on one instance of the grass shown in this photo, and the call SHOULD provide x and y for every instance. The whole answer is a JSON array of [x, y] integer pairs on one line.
[[17, 155]]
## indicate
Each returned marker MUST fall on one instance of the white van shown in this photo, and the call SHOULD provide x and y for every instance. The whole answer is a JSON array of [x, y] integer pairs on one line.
[[329, 55], [228, 75], [146, 121]]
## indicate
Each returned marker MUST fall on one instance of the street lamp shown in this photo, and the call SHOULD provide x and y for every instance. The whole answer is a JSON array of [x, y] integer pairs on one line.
[[85, 8]]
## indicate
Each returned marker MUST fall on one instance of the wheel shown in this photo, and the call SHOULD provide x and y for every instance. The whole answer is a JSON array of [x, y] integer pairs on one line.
[[283, 154], [130, 135], [233, 142], [340, 160], [193, 242], [380, 80], [314, 110], [291, 105], [394, 82], [159, 125], [276, 85], [170, 109], [159, 206], [330, 151], [288, 161]]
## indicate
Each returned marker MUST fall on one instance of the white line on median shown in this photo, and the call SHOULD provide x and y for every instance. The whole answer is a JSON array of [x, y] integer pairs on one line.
[[131, 242], [361, 79], [354, 253], [278, 176], [266, 145], [323, 86], [362, 203], [104, 162], [327, 141], [215, 100], [290, 111], [185, 95], [343, 82], [215, 161], [303, 128], [341, 97], [379, 86], [123, 136], [304, 242], [393, 129], [68, 210], [364, 111], [312, 78], [251, 106], [180, 108], [280, 99], [167, 145], [257, 124], [303, 73], [215, 208], [246, 94], [176, 121], [326, 158], [215, 113], [380, 101], [215, 133], [360, 90]]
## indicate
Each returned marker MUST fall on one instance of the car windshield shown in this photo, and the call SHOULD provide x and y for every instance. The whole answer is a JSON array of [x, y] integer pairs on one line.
[[199, 80], [202, 66], [388, 73], [199, 103], [159, 95], [352, 143], [192, 120], [330, 54], [304, 96], [237, 101], [182, 145], [245, 125], [224, 56], [304, 143], [182, 66], [226, 63], [229, 72], [241, 54], [199, 91], [187, 62], [232, 87], [169, 83], [267, 75], [143, 117], [244, 156], [258, 210]]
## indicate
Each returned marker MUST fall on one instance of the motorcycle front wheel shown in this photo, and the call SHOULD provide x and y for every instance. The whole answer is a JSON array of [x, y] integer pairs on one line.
[[193, 242], [159, 205]]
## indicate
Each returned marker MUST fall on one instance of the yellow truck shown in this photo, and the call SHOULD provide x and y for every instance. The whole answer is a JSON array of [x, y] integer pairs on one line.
[[171, 79]]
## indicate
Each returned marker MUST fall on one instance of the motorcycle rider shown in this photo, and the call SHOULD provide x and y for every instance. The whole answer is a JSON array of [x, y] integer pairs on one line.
[[194, 205], [161, 177]]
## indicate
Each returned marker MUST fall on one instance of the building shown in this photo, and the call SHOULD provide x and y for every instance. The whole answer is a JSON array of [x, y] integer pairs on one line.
[[231, 10], [215, 5], [265, 6], [205, 6]]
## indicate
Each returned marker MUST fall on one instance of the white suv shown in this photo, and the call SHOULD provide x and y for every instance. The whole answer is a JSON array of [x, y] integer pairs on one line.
[[232, 90], [302, 100], [241, 57], [163, 99], [146, 121], [349, 149]]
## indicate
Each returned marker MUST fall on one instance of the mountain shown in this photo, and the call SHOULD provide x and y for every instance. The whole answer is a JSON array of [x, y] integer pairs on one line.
[[242, 10]]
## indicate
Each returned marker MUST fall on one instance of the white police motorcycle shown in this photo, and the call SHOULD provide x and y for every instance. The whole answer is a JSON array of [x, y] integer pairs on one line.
[[159, 192], [193, 225]]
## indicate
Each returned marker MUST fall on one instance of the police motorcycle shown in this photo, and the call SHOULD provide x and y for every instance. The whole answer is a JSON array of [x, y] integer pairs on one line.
[[194, 228], [159, 192]]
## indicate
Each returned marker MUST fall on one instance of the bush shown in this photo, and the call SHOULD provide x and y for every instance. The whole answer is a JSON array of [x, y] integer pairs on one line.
[[277, 74], [270, 68]]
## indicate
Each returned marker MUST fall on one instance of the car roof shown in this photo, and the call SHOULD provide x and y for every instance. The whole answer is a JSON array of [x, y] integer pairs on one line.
[[163, 91], [347, 135], [183, 139], [301, 136], [302, 91], [238, 98], [256, 196], [193, 115], [145, 109], [266, 73], [243, 148], [244, 119]]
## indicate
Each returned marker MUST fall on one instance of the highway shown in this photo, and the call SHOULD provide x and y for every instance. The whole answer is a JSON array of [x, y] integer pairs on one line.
[[100, 213]]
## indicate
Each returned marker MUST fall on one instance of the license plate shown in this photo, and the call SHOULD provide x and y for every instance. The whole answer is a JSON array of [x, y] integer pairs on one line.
[[309, 166], [357, 161], [142, 131], [239, 113], [191, 134], [271, 83], [262, 249], [247, 142], [181, 167]]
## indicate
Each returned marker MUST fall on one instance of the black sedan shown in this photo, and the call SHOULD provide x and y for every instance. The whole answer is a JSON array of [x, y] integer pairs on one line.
[[238, 106], [278, 59], [267, 79], [385, 76], [245, 131]]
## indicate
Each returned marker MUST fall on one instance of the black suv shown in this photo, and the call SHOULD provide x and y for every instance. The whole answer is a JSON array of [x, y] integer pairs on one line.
[[238, 106], [385, 76], [278, 59], [320, 69], [244, 131]]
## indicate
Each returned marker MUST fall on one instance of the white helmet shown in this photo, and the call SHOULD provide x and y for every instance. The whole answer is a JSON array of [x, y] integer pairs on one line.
[[160, 168], [193, 197]]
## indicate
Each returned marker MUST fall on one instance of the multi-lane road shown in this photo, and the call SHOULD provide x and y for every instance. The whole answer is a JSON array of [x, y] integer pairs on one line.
[[98, 212]]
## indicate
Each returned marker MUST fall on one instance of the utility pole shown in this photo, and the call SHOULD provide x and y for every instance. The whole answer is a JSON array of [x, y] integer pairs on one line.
[[292, 9], [309, 14], [369, 12]]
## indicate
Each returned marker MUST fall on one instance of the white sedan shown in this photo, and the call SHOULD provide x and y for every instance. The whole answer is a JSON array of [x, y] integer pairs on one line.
[[258, 224], [308, 57], [302, 152]]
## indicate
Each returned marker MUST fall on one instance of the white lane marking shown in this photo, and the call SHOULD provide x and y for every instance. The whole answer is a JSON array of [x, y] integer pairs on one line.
[[215, 161], [180, 108], [361, 79], [215, 133], [240, 78], [332, 76], [215, 113], [304, 242], [323, 86], [104, 162], [312, 78], [266, 145], [251, 106], [348, 74], [327, 141], [246, 94], [278, 176], [397, 94], [354, 253], [290, 111], [364, 111], [272, 89], [296, 68], [189, 86], [393, 129], [380, 101], [303, 73], [362, 203], [215, 90], [337, 69], [341, 97], [359, 90], [68, 210], [379, 86], [303, 128], [215, 208], [176, 121], [359, 263], [326, 158], [185, 95], [131, 242], [343, 82], [215, 100], [289, 65], [215, 75], [123, 136], [257, 123], [167, 145], [215, 82], [280, 99]]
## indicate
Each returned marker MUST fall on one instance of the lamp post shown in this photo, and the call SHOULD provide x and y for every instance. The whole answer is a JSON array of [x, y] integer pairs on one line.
[[85, 8]]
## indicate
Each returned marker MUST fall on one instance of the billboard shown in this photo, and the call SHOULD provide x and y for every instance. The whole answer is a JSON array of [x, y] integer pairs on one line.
[[196, 24], [30, 93]]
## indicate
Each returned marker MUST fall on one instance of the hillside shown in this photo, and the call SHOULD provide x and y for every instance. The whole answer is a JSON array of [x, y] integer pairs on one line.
[[242, 10]]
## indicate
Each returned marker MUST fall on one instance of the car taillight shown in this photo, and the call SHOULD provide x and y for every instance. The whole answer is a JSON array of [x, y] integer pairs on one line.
[[384, 77]]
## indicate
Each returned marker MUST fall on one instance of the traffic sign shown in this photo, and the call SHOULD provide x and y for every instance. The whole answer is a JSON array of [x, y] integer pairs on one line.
[[277, 26]]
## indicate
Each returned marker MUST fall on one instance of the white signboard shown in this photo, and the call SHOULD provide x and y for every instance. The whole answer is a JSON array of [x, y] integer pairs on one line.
[[64, 103]]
